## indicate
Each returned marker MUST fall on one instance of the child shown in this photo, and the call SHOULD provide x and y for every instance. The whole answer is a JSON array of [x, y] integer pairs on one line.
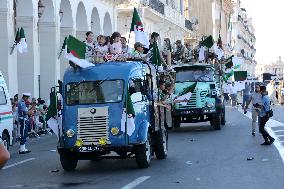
[[90, 45], [101, 49], [115, 44]]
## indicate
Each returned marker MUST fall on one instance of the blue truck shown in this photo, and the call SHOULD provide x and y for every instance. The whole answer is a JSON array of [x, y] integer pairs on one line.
[[96, 123]]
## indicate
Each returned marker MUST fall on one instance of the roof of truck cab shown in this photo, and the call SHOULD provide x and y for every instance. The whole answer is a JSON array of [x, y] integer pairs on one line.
[[108, 70], [193, 65]]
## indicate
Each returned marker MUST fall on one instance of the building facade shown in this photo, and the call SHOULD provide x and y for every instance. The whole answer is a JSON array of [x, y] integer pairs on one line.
[[275, 68], [243, 38], [46, 24]]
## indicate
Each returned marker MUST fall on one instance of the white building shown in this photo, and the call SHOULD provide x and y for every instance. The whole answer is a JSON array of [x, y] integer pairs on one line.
[[166, 17], [243, 38], [46, 23], [275, 68]]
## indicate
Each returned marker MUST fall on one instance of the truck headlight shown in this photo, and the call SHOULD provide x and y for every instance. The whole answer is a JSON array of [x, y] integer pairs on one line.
[[210, 104], [70, 133], [114, 131]]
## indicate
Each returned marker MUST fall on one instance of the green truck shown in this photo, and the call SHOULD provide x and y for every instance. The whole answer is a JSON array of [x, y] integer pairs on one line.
[[205, 103]]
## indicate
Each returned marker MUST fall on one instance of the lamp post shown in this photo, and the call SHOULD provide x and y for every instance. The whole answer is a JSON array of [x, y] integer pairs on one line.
[[61, 14]]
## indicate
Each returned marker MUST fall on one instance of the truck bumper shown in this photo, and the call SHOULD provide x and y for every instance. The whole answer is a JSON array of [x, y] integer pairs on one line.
[[194, 115]]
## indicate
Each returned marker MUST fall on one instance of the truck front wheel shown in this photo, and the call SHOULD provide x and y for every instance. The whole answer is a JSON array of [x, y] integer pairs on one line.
[[143, 154], [216, 121], [68, 162]]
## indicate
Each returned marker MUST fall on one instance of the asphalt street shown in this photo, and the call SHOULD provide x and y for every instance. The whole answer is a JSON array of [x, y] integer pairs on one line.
[[198, 158]]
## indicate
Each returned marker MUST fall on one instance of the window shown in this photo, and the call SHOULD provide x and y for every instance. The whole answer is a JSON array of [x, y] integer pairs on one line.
[[195, 73], [93, 92], [3, 99], [135, 90]]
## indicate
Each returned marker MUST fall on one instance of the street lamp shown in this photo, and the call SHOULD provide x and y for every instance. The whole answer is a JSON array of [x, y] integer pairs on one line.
[[60, 15], [41, 8]]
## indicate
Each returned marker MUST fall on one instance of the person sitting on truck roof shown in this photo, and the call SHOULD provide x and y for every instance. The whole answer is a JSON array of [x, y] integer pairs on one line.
[[138, 52], [101, 49], [115, 44], [90, 45]]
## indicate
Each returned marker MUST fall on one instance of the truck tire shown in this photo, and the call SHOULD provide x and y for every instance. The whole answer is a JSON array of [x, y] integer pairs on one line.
[[223, 116], [216, 122], [176, 122], [143, 154], [161, 144], [68, 163], [6, 140]]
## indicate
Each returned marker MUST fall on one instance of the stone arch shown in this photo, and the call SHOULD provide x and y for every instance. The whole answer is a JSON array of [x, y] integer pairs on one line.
[[25, 8], [107, 27], [96, 22], [67, 19], [66, 29], [81, 21], [48, 14]]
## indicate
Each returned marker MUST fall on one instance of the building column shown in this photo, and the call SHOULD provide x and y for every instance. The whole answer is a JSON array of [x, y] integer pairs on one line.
[[81, 35], [8, 65], [64, 32], [49, 63], [29, 63]]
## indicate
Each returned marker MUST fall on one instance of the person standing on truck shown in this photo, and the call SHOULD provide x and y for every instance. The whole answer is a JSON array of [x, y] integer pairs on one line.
[[23, 113], [256, 100], [90, 46]]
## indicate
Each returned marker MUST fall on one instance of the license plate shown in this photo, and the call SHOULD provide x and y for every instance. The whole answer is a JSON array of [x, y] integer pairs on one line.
[[89, 148]]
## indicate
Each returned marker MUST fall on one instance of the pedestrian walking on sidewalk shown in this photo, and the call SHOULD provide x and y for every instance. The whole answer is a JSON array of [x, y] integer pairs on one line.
[[264, 117], [23, 113], [246, 94], [233, 94], [256, 100]]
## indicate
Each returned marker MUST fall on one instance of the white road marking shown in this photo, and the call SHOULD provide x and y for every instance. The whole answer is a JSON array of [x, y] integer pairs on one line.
[[136, 182], [18, 163], [271, 123]]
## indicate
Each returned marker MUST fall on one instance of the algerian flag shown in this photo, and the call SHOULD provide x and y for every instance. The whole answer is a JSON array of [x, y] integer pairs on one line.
[[64, 46], [208, 42], [138, 28], [240, 75], [21, 42], [156, 59], [75, 52], [187, 92], [237, 61], [51, 116], [218, 51], [227, 76], [16, 41], [128, 116], [229, 63]]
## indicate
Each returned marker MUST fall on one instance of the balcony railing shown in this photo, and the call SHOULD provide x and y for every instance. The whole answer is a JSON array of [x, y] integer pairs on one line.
[[157, 6], [188, 24]]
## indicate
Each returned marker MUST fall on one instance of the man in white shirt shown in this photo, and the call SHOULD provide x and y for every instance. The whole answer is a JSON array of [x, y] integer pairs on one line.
[[233, 94]]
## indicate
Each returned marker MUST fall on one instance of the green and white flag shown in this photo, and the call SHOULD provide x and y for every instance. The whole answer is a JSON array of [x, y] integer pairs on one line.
[[128, 115], [187, 92], [52, 114], [138, 28], [64, 46], [156, 58], [75, 52], [21, 42]]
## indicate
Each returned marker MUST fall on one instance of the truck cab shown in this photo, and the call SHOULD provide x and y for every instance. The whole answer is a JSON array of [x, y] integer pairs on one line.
[[6, 114], [205, 103], [96, 123]]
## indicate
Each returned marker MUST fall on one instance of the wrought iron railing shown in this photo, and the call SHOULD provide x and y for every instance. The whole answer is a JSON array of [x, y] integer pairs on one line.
[[157, 6]]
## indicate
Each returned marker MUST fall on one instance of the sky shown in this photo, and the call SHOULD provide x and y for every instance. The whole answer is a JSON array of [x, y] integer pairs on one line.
[[267, 18]]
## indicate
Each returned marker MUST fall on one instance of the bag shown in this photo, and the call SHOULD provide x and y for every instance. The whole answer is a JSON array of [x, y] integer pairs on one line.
[[269, 113]]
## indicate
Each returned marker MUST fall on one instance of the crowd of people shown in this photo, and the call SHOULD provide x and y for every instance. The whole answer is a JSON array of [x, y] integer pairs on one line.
[[115, 47], [35, 122]]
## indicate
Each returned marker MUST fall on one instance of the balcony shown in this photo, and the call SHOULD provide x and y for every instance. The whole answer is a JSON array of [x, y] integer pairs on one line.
[[157, 6]]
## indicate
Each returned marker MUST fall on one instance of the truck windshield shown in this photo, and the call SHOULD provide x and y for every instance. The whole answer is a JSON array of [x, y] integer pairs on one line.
[[93, 92], [194, 74]]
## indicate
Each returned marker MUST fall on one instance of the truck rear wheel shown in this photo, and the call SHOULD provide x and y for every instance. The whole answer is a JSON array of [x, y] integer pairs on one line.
[[68, 163], [143, 154], [216, 122], [176, 122], [6, 140], [161, 144]]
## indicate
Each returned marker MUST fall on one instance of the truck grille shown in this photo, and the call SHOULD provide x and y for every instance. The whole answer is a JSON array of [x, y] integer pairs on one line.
[[92, 126], [192, 102]]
